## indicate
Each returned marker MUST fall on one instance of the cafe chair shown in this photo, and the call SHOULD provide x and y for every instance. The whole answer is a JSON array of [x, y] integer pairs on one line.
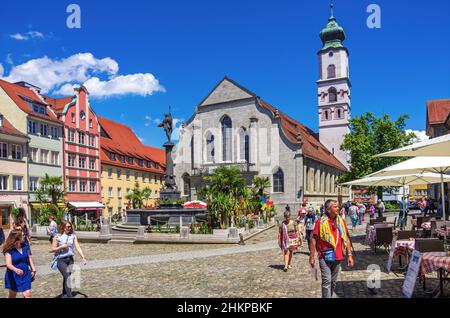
[[406, 235], [424, 245], [384, 236]]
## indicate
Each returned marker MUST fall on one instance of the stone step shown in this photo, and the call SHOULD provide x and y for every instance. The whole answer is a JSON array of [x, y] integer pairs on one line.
[[121, 241]]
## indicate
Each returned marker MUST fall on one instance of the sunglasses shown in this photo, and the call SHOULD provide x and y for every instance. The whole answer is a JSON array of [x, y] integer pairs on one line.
[[68, 227]]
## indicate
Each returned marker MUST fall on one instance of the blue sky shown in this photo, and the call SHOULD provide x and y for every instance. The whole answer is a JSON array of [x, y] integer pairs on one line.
[[267, 46]]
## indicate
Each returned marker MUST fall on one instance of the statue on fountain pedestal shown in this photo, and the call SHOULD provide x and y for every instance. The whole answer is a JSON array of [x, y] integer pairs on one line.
[[169, 178]]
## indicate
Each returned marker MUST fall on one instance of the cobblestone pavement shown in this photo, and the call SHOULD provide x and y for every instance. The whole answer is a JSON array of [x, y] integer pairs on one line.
[[253, 270]]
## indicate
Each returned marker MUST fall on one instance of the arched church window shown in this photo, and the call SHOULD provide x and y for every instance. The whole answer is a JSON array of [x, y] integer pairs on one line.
[[339, 113], [331, 71], [244, 145], [210, 149], [226, 138], [332, 95], [278, 181]]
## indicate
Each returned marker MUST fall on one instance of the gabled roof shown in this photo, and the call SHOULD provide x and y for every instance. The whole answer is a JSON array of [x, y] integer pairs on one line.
[[17, 93], [9, 129], [58, 104], [226, 91], [438, 111], [295, 132], [121, 140], [299, 134]]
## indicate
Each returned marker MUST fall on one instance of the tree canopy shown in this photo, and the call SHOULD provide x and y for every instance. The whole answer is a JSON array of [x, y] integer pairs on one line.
[[369, 136]]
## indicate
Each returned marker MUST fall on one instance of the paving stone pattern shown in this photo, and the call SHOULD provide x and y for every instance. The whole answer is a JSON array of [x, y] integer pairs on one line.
[[190, 271]]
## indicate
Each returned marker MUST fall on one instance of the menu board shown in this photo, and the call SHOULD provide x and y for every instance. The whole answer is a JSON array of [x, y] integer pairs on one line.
[[411, 275]]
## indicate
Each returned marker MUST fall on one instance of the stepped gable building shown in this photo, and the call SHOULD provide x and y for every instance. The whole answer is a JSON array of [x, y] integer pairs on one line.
[[125, 161], [28, 112], [81, 153], [233, 126], [13, 171]]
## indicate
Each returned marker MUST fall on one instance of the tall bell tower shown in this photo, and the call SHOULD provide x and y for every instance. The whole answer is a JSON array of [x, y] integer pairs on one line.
[[333, 89]]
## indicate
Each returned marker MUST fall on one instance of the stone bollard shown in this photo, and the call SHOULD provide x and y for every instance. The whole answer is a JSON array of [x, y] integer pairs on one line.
[[34, 229], [241, 239], [260, 224], [233, 233], [141, 231], [247, 228], [184, 232], [105, 230]]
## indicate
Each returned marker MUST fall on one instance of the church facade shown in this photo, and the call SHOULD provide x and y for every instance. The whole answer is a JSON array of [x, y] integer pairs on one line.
[[233, 126]]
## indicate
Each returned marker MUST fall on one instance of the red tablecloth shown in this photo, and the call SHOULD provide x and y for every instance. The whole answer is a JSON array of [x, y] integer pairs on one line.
[[433, 261], [441, 232]]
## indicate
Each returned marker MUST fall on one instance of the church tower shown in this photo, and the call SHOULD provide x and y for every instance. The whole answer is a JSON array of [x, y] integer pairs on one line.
[[333, 89]]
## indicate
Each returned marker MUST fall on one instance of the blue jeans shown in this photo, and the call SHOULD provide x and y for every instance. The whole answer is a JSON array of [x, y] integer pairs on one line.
[[360, 216]]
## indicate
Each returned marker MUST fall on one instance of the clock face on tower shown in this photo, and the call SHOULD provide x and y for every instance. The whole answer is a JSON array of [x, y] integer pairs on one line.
[[82, 115]]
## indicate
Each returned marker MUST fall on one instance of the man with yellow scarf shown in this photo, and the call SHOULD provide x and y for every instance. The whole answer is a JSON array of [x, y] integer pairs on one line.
[[331, 240]]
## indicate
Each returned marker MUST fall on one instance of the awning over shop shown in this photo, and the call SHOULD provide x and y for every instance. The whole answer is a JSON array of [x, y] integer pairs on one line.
[[86, 205]]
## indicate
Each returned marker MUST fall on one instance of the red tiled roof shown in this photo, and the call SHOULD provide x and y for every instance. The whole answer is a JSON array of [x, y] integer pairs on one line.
[[58, 104], [9, 129], [124, 141], [298, 133], [438, 111], [15, 92]]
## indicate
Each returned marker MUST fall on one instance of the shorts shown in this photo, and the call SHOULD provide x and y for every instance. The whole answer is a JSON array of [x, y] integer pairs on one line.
[[354, 220]]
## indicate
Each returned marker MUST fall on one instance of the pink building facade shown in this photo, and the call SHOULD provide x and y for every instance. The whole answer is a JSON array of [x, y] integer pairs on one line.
[[81, 153]]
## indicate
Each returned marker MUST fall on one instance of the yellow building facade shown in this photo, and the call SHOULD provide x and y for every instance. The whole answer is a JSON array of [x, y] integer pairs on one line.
[[118, 182], [417, 192], [125, 161]]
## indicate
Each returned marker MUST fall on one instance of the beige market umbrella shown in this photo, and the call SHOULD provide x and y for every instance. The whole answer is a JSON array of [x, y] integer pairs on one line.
[[400, 181], [440, 165], [435, 147]]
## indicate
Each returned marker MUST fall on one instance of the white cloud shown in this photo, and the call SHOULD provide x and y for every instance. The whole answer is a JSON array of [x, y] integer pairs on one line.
[[27, 36], [9, 59], [421, 135], [1, 70], [157, 121], [100, 76], [177, 125]]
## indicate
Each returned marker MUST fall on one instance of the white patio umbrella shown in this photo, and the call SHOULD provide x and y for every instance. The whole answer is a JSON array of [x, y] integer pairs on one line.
[[439, 146], [400, 180], [440, 165]]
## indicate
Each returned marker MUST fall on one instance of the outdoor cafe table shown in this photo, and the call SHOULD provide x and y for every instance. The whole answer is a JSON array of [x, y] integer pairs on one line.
[[436, 262], [441, 232], [404, 248], [426, 226]]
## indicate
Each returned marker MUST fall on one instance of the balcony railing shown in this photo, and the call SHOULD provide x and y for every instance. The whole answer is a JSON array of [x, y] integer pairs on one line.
[[208, 169]]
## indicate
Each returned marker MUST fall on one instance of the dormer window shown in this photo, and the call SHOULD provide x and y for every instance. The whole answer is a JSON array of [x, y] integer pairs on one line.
[[130, 160], [112, 156], [42, 110]]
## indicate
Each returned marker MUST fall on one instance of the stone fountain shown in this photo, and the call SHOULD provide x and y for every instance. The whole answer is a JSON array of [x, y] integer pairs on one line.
[[169, 210]]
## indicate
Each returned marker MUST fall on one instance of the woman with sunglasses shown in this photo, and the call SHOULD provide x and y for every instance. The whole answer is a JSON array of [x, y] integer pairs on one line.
[[64, 245]]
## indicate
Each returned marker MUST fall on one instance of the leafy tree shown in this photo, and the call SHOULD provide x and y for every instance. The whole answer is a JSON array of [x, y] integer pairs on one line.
[[135, 197], [369, 136], [146, 193], [261, 184], [53, 187]]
